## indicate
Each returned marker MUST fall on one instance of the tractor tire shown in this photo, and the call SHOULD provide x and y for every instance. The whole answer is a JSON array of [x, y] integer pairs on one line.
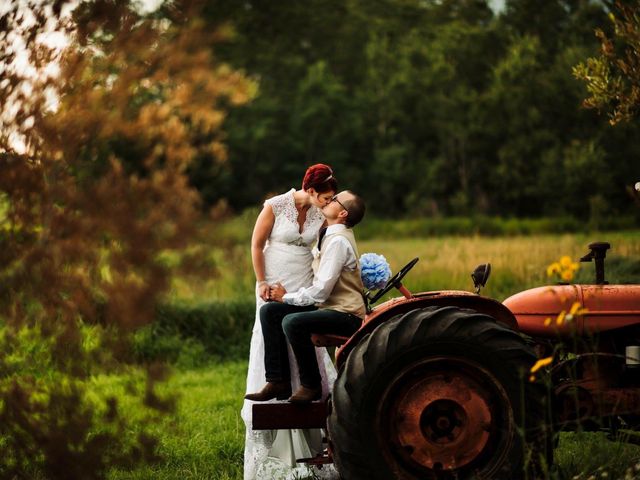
[[440, 393]]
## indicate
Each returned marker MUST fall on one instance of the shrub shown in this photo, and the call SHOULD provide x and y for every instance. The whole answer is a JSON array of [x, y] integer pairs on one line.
[[376, 228], [189, 335]]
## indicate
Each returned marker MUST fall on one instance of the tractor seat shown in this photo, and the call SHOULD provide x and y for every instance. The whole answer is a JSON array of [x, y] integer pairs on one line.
[[328, 340]]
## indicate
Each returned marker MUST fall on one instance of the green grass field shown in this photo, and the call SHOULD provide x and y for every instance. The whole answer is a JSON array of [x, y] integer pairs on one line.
[[205, 440]]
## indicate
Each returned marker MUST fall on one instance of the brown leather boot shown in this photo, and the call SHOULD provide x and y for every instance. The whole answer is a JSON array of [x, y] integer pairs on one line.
[[278, 390], [306, 395]]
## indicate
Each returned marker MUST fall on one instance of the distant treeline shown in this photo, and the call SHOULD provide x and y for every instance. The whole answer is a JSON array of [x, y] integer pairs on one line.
[[236, 230], [425, 107]]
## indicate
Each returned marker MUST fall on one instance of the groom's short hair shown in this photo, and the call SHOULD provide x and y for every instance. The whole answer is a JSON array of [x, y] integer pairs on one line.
[[355, 208]]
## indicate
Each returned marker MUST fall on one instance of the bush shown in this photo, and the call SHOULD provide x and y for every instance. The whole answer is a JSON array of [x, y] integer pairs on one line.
[[376, 228], [189, 335], [71, 429]]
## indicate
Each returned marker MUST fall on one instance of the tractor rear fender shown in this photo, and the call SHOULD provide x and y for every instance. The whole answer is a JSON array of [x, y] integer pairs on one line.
[[446, 298]]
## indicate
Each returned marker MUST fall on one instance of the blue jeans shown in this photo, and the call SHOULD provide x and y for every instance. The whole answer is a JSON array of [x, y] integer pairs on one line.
[[297, 324]]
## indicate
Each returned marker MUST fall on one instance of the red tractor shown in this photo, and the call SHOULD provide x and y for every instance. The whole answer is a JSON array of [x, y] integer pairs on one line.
[[438, 384]]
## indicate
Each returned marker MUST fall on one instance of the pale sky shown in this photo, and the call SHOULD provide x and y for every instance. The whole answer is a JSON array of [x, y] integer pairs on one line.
[[52, 39], [497, 5]]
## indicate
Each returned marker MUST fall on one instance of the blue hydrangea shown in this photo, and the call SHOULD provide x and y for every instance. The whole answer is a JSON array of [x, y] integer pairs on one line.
[[374, 270]]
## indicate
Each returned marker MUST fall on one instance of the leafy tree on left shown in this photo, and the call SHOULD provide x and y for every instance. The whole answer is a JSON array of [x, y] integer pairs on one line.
[[96, 196]]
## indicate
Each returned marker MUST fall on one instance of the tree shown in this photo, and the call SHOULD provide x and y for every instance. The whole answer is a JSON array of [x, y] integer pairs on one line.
[[98, 193], [613, 78]]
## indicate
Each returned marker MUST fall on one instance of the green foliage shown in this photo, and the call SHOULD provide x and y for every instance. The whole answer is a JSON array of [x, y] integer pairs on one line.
[[189, 334], [94, 196], [581, 456], [425, 108], [613, 78], [54, 424], [482, 225]]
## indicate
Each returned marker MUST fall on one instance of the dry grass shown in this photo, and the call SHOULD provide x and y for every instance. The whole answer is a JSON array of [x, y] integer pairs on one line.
[[445, 263]]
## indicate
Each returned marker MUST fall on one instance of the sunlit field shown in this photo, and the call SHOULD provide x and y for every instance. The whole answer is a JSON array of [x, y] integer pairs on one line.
[[207, 439], [445, 263]]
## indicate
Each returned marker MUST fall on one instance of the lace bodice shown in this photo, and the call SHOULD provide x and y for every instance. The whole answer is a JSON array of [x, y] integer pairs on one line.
[[286, 228]]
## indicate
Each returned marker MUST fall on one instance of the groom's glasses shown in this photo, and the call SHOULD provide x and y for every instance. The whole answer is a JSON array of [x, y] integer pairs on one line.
[[335, 199]]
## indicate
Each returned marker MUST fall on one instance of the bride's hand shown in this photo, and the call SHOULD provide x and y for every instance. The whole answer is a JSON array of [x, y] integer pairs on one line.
[[263, 290]]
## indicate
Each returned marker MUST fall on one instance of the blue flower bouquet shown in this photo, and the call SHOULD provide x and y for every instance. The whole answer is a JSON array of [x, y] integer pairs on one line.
[[374, 271]]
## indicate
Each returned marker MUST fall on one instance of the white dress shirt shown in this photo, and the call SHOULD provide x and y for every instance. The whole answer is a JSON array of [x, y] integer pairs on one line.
[[336, 256]]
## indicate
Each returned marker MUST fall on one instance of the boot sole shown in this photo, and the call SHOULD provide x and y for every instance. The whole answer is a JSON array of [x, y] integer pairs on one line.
[[280, 396]]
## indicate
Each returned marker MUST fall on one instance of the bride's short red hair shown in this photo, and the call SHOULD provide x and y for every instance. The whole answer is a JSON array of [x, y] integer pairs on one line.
[[320, 178]]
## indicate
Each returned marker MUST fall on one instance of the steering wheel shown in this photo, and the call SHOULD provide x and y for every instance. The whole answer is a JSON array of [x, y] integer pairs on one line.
[[394, 281]]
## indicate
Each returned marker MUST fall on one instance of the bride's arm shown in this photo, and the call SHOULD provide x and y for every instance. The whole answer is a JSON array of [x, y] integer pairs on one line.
[[261, 232]]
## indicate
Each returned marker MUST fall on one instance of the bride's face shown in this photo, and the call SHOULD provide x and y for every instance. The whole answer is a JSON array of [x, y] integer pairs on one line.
[[320, 199]]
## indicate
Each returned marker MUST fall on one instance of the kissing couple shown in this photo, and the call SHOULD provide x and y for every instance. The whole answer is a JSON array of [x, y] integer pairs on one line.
[[300, 292]]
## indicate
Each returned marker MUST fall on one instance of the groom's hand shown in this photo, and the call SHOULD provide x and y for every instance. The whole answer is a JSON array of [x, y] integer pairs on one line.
[[276, 292]]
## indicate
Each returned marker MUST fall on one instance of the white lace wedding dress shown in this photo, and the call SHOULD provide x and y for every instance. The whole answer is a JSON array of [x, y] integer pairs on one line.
[[271, 455]]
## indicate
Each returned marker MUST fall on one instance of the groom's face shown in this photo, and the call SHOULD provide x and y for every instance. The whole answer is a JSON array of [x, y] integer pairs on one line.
[[335, 208]]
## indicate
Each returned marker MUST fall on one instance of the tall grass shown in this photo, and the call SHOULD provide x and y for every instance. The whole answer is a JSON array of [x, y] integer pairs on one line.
[[205, 440], [584, 456], [518, 262]]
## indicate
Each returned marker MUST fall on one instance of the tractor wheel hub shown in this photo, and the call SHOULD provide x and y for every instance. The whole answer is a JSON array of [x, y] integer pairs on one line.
[[441, 418]]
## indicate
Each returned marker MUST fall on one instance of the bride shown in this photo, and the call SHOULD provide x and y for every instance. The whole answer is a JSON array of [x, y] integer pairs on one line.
[[281, 243]]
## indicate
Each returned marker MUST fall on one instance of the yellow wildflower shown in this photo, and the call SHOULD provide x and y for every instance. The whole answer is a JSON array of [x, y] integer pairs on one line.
[[577, 310], [566, 275], [564, 268], [543, 362], [565, 261], [553, 269]]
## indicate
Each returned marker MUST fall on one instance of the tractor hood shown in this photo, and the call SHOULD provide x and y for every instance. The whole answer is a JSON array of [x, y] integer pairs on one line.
[[538, 311]]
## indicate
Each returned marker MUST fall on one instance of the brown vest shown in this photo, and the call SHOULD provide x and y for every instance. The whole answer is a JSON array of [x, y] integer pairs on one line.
[[346, 295]]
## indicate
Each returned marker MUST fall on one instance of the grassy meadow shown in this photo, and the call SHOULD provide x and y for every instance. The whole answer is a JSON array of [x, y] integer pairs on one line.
[[205, 440], [518, 262]]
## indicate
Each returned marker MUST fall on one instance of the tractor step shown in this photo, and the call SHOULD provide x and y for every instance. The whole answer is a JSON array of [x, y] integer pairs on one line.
[[285, 415]]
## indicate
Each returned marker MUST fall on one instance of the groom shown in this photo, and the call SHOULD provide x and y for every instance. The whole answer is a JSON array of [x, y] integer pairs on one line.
[[332, 304]]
